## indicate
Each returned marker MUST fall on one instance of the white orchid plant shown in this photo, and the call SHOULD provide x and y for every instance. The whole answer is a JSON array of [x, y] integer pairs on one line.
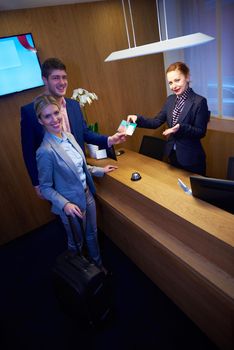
[[85, 97]]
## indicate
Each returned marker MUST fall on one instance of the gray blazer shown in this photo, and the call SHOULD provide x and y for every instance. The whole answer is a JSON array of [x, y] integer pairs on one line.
[[58, 178]]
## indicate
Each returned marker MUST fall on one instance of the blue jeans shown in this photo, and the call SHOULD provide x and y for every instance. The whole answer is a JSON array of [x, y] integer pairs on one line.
[[89, 229]]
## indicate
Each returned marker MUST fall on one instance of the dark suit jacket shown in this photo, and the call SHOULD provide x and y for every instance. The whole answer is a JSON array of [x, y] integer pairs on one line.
[[32, 134], [193, 124]]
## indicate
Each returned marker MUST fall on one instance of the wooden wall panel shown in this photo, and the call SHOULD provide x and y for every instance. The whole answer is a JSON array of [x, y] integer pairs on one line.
[[82, 36], [219, 147]]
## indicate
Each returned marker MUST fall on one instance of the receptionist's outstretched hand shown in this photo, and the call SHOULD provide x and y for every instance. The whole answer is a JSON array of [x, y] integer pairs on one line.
[[132, 118], [172, 130]]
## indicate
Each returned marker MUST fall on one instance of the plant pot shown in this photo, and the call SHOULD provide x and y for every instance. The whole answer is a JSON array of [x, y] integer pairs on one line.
[[92, 149]]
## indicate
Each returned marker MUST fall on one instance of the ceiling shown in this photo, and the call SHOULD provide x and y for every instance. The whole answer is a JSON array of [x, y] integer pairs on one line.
[[23, 4]]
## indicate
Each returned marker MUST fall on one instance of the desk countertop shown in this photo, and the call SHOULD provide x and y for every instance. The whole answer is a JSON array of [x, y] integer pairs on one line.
[[159, 184]]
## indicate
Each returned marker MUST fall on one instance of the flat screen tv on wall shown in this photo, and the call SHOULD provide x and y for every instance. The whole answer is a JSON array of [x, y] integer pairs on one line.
[[19, 64]]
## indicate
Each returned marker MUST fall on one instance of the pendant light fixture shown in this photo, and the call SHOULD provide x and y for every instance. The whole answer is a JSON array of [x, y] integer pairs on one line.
[[156, 47]]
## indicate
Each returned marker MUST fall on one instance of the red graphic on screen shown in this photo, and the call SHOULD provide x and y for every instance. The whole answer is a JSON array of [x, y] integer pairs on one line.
[[24, 42]]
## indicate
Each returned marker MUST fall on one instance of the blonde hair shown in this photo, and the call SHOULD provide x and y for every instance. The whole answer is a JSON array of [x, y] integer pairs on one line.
[[43, 101]]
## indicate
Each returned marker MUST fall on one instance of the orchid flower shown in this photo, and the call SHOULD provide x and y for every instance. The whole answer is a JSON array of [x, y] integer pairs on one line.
[[83, 96]]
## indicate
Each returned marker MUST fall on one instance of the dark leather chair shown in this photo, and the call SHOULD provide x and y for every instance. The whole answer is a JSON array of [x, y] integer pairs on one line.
[[152, 147], [230, 169]]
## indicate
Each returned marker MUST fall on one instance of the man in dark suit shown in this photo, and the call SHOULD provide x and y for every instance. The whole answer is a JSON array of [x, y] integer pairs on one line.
[[55, 79]]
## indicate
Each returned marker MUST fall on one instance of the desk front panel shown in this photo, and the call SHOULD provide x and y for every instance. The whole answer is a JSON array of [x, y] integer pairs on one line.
[[183, 244]]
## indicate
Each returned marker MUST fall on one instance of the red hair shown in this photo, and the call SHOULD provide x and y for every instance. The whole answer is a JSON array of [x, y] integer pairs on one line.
[[182, 67]]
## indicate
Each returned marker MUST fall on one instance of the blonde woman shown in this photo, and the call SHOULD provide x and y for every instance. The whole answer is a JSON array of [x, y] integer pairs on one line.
[[65, 178]]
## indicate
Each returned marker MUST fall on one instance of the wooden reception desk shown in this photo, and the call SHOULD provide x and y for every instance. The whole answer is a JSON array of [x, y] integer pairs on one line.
[[184, 245]]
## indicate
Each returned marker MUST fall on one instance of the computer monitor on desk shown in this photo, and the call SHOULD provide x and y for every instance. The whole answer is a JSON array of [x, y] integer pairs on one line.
[[214, 191], [111, 153]]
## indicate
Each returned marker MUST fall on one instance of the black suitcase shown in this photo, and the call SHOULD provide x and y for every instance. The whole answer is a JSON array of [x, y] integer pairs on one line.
[[83, 290]]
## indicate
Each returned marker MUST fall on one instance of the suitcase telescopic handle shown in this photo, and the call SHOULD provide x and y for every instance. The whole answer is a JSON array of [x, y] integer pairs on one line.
[[73, 225]]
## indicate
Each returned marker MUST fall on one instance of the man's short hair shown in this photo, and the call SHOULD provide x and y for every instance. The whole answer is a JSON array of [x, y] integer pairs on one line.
[[51, 64]]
